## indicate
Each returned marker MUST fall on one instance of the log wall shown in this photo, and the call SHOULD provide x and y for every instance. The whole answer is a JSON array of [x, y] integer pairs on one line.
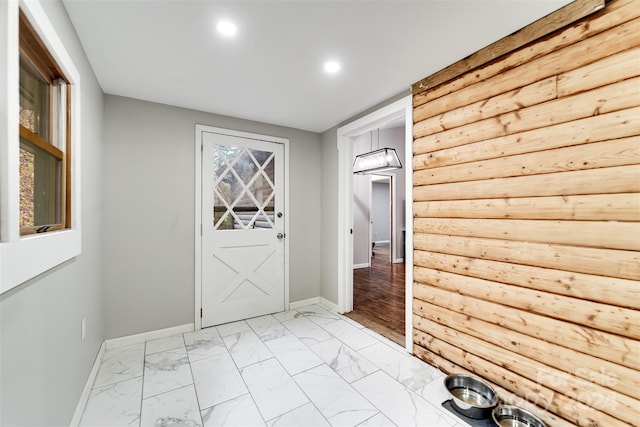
[[527, 222]]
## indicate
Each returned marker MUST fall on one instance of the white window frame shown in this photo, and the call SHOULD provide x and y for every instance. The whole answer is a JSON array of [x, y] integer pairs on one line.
[[23, 258]]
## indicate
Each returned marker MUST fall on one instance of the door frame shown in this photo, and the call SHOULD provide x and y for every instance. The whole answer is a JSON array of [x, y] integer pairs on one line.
[[200, 129], [402, 108]]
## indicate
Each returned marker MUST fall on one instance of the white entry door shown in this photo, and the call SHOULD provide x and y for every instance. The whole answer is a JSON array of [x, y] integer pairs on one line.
[[243, 241]]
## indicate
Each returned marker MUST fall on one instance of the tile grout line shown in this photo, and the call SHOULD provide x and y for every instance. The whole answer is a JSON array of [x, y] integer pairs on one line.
[[192, 384], [380, 369], [340, 376], [309, 400], [306, 370], [210, 357], [193, 380], [144, 369], [242, 378], [410, 391]]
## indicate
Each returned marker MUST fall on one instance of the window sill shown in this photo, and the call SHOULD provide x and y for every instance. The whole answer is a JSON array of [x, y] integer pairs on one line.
[[26, 258]]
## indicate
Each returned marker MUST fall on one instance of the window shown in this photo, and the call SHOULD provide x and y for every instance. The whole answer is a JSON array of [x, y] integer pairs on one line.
[[244, 188], [44, 137], [40, 147]]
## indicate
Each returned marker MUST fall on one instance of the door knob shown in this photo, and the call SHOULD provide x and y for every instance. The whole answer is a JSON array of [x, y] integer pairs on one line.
[[280, 236]]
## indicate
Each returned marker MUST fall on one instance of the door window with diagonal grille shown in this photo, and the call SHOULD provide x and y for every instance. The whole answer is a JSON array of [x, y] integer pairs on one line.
[[244, 188]]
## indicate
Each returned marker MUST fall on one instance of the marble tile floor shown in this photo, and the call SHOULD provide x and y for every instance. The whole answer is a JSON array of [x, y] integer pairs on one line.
[[305, 367]]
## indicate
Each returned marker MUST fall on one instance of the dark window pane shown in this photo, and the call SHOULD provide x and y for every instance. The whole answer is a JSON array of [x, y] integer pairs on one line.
[[34, 100], [27, 188], [40, 189]]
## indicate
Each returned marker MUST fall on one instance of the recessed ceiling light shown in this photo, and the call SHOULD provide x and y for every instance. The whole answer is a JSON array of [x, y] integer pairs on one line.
[[331, 67], [227, 28]]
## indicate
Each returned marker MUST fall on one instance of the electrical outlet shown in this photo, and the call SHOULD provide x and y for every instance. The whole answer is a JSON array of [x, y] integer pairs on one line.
[[83, 327]]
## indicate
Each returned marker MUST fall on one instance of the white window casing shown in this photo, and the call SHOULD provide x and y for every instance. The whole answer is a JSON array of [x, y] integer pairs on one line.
[[23, 258]]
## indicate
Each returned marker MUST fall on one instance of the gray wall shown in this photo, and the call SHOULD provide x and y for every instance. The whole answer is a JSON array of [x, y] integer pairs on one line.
[[380, 211], [329, 224], [149, 212], [44, 363]]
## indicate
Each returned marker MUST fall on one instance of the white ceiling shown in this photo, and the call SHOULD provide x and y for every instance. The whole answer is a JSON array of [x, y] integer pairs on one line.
[[168, 51]]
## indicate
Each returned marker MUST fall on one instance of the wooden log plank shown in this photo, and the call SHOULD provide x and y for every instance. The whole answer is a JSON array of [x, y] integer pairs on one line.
[[619, 179], [618, 95], [593, 315], [593, 234], [603, 262], [615, 349], [577, 259], [606, 290], [610, 42], [610, 375], [560, 404], [535, 93], [619, 152], [504, 395], [605, 127], [591, 395], [595, 207], [607, 99], [607, 70], [616, 13], [546, 25]]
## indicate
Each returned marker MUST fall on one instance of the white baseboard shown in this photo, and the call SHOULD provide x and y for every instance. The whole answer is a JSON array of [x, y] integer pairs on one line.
[[86, 392], [328, 304], [381, 242], [398, 261], [365, 265], [303, 303], [151, 335], [311, 301]]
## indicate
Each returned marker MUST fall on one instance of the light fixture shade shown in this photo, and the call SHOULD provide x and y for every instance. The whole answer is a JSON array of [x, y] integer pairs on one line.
[[376, 161]]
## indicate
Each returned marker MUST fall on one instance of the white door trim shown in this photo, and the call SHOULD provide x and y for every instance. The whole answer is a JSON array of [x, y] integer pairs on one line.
[[200, 129], [400, 108]]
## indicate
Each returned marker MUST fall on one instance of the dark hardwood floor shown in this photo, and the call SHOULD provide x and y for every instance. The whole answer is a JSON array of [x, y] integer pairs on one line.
[[378, 296]]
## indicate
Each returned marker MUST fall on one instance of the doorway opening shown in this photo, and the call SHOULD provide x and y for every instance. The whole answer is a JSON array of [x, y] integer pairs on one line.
[[379, 284], [394, 115], [382, 207]]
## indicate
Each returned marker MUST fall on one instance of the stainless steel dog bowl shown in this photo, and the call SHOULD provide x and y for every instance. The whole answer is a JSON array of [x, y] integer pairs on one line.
[[513, 416], [471, 396]]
